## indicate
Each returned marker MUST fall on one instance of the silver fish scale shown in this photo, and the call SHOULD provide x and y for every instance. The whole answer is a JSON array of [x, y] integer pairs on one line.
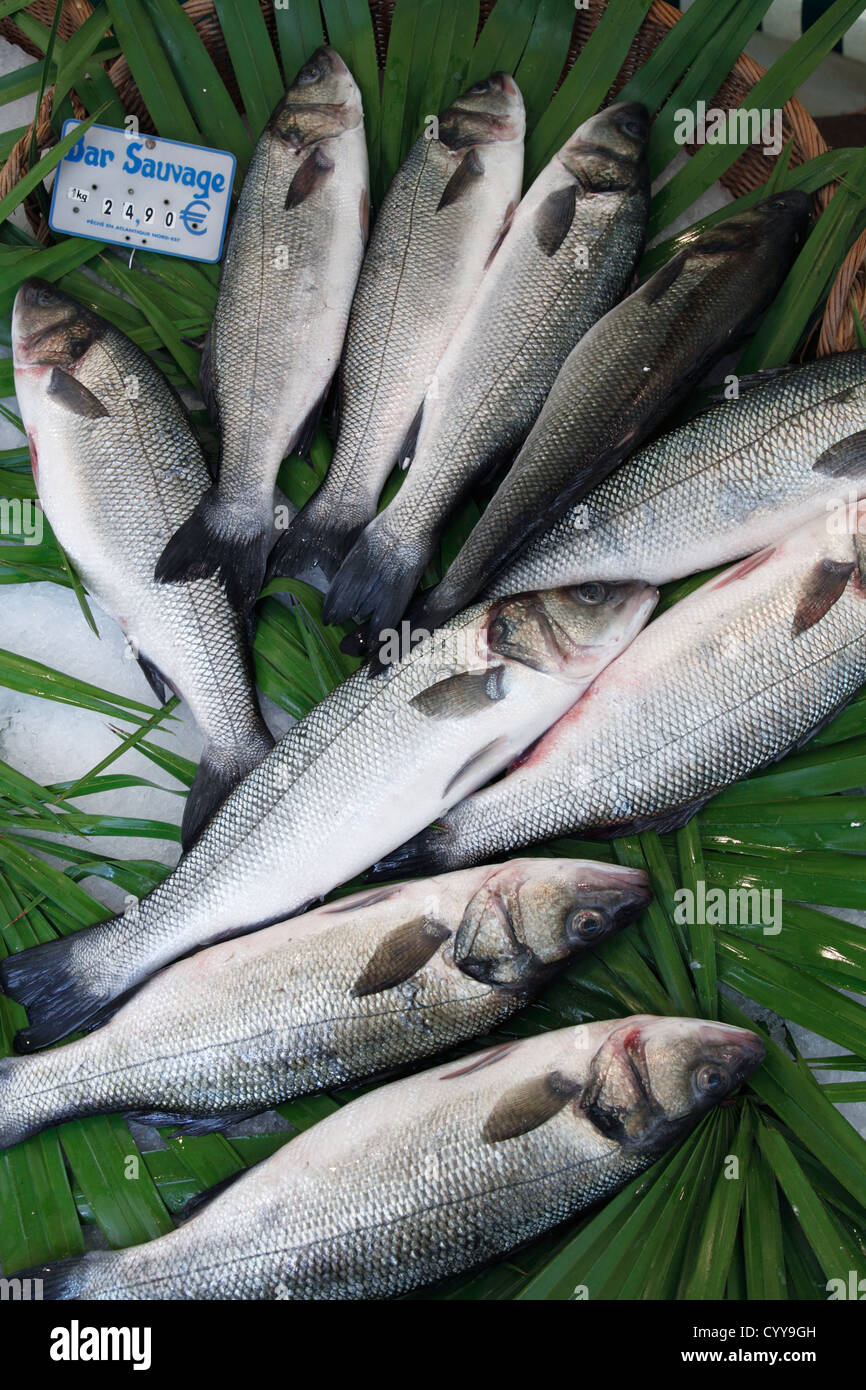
[[528, 315], [418, 258], [145, 450], [256, 860], [385, 1209], [700, 700], [286, 274], [250, 1025], [712, 489]]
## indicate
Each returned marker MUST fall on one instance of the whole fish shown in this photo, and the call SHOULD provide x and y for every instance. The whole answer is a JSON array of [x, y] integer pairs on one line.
[[374, 981], [440, 1172], [341, 788], [731, 678], [738, 477], [623, 378], [568, 257], [117, 466], [447, 208], [286, 288]]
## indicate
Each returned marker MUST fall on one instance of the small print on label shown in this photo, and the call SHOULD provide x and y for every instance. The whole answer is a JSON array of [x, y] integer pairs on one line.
[[143, 191]]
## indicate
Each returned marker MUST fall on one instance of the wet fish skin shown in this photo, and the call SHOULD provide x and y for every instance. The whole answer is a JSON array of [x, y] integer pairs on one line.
[[738, 477], [432, 1175], [340, 789], [289, 272], [568, 256], [374, 981], [730, 679], [117, 467], [446, 209], [621, 380]]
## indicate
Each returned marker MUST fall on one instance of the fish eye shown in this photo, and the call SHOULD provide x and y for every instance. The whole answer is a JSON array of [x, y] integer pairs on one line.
[[632, 127], [712, 1079], [593, 593], [46, 297], [478, 88], [584, 925], [308, 74]]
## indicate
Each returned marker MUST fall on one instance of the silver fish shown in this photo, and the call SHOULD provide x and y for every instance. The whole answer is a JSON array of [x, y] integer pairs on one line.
[[728, 680], [117, 467], [622, 379], [435, 1174], [447, 208], [568, 257], [286, 288], [376, 757], [740, 476], [374, 981]]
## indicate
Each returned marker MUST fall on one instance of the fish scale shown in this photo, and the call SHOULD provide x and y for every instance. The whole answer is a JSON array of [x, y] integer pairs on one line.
[[736, 478], [561, 265], [427, 256], [375, 756], [628, 372], [438, 1173], [716, 688], [326, 999], [117, 467]]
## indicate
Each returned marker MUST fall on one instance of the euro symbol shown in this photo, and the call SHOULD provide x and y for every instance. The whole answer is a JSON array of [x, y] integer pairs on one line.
[[194, 215]]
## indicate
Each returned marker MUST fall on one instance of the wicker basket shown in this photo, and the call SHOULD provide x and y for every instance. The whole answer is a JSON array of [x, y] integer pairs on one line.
[[748, 172]]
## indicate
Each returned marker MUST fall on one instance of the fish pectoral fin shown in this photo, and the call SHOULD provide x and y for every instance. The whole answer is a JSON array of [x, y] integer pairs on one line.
[[465, 177], [824, 585], [68, 391], [155, 679], [529, 1105], [404, 952], [190, 1125], [750, 381], [314, 171], [489, 758], [554, 218], [457, 697], [844, 459]]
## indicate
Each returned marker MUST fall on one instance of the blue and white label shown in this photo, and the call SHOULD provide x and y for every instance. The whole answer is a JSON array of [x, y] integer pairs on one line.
[[143, 191]]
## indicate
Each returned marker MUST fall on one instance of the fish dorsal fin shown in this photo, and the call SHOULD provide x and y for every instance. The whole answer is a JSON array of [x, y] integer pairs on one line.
[[314, 171], [68, 391], [554, 217], [529, 1105], [402, 953], [465, 177], [457, 697], [824, 585], [844, 459]]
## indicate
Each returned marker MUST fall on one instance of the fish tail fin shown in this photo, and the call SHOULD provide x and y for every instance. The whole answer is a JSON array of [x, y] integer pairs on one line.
[[58, 999], [219, 771], [320, 536], [60, 1280], [375, 581], [430, 851], [222, 539]]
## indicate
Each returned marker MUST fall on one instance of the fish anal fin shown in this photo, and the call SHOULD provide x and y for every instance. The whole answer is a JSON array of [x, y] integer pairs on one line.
[[402, 953], [155, 679], [68, 391], [529, 1105]]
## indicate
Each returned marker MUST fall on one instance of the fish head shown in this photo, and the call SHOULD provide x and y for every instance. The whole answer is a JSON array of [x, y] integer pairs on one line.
[[609, 151], [572, 633], [322, 102], [653, 1078], [737, 265], [532, 915], [49, 329], [488, 111]]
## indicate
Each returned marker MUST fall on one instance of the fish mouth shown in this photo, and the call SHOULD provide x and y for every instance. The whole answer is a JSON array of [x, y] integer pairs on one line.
[[505, 82]]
